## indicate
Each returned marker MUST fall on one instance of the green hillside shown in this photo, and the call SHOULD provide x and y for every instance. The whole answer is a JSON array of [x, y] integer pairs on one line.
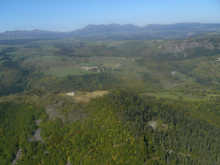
[[147, 102]]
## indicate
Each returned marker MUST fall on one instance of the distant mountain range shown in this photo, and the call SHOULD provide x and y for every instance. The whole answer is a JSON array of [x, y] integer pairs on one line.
[[119, 32]]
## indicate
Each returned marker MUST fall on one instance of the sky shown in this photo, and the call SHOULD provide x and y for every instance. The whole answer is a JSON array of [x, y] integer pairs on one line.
[[68, 15]]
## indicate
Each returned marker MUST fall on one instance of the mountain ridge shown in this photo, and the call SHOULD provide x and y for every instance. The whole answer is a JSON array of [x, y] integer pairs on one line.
[[118, 31]]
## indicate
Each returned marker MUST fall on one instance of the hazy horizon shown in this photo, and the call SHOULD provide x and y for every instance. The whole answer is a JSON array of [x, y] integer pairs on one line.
[[51, 30], [68, 15]]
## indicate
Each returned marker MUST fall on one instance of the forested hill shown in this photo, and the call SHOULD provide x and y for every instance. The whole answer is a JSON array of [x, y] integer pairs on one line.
[[119, 128], [119, 32]]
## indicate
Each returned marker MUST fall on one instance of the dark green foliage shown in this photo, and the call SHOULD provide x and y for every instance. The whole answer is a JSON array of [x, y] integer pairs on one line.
[[180, 137], [186, 133], [13, 77], [17, 123]]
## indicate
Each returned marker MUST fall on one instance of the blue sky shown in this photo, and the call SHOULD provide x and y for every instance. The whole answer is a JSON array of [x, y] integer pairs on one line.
[[67, 15]]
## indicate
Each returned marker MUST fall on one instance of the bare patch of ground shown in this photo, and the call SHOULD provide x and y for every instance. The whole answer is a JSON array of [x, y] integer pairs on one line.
[[68, 163], [54, 113], [37, 136], [153, 124], [67, 111], [158, 125], [18, 157], [75, 115], [38, 122]]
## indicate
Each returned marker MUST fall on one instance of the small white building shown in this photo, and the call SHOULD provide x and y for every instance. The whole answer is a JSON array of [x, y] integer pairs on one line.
[[70, 94], [218, 59], [173, 73]]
